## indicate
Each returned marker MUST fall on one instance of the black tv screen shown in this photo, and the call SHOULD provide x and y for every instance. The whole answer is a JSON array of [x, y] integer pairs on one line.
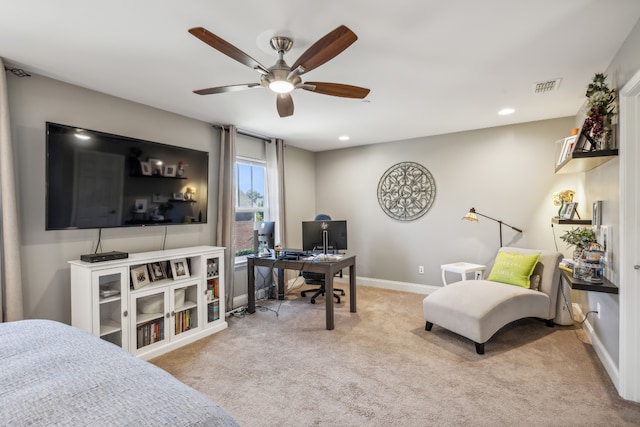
[[100, 180]]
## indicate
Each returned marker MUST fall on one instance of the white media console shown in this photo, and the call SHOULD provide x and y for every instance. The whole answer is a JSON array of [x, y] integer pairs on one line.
[[179, 299]]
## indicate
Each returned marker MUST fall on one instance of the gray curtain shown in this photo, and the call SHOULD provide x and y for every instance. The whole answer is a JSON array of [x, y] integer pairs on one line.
[[11, 277], [227, 208]]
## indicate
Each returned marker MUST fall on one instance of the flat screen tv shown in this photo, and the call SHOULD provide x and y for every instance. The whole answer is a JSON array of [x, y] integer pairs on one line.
[[99, 180], [325, 236]]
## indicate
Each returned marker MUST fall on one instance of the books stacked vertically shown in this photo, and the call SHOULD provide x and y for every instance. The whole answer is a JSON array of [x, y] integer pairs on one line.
[[213, 311], [150, 332]]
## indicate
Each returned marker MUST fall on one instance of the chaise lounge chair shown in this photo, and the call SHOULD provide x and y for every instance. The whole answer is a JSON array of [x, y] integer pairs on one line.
[[477, 309]]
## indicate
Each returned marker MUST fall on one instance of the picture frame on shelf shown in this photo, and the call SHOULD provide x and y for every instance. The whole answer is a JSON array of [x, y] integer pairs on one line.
[[179, 268], [568, 146], [178, 196], [170, 170], [145, 168], [140, 206], [156, 166], [568, 210], [156, 271], [140, 276]]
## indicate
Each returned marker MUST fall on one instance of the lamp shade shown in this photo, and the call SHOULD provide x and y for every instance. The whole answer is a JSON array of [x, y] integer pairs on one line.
[[471, 216]]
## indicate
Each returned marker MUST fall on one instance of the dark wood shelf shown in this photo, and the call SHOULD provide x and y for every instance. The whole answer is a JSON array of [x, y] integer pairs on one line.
[[557, 220], [158, 176], [606, 286], [585, 161]]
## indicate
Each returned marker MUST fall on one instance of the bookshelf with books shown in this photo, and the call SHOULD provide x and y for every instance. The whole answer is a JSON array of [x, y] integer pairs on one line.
[[151, 302], [214, 273]]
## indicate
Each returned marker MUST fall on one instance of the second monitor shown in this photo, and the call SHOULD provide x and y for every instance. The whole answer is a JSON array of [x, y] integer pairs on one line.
[[325, 236]]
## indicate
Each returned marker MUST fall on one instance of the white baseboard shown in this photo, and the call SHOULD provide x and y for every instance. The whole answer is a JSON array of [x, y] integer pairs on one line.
[[601, 351], [415, 288]]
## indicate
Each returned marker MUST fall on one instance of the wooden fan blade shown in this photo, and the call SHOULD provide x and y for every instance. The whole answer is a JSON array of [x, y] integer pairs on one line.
[[325, 49], [336, 89], [225, 89], [284, 103], [227, 48]]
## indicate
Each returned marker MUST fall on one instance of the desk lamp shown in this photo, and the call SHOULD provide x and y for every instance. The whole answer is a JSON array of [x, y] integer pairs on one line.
[[472, 216]]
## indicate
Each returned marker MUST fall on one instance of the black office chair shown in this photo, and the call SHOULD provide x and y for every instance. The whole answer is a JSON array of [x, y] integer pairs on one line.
[[318, 278]]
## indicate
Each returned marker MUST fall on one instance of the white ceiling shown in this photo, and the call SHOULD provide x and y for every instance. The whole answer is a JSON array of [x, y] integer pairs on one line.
[[433, 66]]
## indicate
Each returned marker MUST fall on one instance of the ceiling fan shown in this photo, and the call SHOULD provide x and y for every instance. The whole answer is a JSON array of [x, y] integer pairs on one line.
[[282, 78]]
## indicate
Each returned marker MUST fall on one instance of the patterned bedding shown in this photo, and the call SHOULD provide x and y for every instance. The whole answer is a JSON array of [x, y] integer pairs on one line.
[[52, 374]]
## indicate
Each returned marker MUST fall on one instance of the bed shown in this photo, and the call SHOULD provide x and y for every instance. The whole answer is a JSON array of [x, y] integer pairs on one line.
[[55, 374]]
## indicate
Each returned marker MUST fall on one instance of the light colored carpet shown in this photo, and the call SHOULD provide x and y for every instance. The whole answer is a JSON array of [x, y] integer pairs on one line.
[[380, 367]]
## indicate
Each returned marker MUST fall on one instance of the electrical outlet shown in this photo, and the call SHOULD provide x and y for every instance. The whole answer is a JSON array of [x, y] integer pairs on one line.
[[421, 269], [598, 309]]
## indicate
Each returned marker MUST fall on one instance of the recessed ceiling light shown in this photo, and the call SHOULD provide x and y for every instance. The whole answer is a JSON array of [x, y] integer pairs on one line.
[[506, 111], [344, 138]]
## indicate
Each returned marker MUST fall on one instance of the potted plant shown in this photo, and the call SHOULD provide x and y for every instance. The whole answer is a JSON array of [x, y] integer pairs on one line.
[[580, 237], [602, 106]]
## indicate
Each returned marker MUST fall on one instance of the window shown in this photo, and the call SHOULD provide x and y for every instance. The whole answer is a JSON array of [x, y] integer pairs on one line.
[[251, 203]]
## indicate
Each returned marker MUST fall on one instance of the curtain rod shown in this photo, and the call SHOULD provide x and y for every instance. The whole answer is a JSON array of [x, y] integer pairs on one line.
[[245, 133]]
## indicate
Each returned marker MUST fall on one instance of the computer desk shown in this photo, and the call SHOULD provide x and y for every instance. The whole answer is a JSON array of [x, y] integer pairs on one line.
[[328, 268]]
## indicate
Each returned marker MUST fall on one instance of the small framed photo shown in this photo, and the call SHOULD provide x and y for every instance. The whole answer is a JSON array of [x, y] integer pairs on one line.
[[145, 167], [156, 166], [170, 170], [568, 211], [157, 272], [567, 148], [178, 196], [179, 268], [140, 276], [140, 206]]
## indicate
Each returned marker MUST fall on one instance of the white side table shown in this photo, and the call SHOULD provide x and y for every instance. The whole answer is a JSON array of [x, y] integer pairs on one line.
[[463, 268]]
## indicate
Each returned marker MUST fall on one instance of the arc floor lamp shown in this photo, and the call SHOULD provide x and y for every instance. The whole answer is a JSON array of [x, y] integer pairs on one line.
[[472, 216]]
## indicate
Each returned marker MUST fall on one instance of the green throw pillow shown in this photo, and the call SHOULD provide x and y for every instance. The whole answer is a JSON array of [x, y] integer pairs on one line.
[[513, 268]]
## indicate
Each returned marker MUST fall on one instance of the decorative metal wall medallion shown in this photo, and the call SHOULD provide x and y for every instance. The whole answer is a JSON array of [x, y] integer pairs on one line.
[[406, 191]]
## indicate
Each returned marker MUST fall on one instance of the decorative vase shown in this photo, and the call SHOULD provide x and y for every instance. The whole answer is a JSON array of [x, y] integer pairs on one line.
[[561, 206]]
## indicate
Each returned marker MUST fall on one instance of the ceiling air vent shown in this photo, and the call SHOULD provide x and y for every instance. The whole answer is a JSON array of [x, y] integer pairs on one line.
[[548, 86]]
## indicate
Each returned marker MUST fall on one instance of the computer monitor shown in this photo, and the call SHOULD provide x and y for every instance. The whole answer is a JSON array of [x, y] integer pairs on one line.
[[325, 236], [263, 237]]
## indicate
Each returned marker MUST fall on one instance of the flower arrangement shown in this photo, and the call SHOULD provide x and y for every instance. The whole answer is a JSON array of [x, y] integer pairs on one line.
[[562, 197], [601, 103]]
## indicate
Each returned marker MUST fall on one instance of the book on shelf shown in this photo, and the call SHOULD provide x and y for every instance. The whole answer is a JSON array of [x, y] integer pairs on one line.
[[150, 332], [213, 311]]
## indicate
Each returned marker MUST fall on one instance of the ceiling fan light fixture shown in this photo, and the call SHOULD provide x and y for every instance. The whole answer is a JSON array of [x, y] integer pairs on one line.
[[281, 86]]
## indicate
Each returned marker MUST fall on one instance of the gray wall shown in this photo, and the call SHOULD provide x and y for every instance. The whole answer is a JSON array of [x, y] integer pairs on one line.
[[603, 184], [36, 100], [504, 172]]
